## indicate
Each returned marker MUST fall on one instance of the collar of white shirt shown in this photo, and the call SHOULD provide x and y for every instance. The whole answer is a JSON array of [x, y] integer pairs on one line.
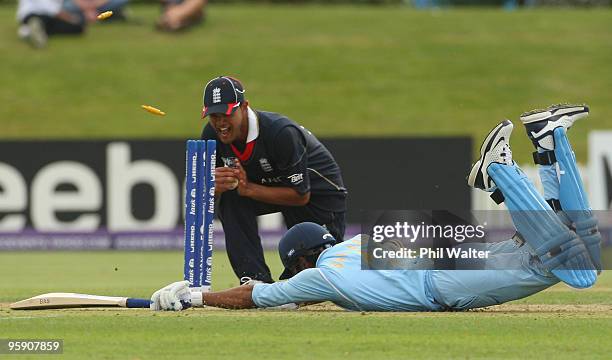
[[253, 126]]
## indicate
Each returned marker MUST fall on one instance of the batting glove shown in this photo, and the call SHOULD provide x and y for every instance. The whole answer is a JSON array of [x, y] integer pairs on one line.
[[173, 297]]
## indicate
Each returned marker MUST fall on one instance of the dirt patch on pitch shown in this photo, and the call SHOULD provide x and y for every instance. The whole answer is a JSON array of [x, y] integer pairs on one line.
[[548, 308], [328, 307], [508, 308]]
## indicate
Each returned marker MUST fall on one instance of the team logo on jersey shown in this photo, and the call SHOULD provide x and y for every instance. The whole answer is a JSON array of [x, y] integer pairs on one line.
[[265, 165], [216, 95], [308, 131], [230, 162], [296, 178]]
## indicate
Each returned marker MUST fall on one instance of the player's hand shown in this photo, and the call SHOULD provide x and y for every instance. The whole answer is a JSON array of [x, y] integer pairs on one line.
[[225, 179], [173, 297], [177, 298], [244, 186]]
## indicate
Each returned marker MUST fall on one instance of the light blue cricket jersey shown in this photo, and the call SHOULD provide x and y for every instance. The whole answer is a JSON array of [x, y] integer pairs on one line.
[[513, 272], [338, 278]]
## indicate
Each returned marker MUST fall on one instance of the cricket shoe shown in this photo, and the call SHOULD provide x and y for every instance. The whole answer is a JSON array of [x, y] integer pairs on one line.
[[540, 124], [494, 149], [33, 31], [245, 280]]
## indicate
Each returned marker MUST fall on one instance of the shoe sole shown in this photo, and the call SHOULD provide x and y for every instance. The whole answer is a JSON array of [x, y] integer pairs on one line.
[[487, 144], [38, 36], [554, 110]]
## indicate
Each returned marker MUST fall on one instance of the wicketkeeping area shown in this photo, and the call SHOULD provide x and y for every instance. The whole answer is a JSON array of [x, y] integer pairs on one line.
[[418, 87]]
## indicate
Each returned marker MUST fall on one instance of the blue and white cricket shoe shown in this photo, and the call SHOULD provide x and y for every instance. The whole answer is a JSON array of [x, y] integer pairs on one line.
[[494, 149], [540, 124]]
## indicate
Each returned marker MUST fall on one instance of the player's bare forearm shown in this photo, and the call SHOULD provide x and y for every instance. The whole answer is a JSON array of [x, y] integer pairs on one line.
[[234, 298], [285, 196]]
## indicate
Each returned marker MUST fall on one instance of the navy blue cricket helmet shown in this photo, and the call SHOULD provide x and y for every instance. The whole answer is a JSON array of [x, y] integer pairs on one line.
[[300, 240]]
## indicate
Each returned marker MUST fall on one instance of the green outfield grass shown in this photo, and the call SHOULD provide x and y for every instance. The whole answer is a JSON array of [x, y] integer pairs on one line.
[[559, 322], [340, 71]]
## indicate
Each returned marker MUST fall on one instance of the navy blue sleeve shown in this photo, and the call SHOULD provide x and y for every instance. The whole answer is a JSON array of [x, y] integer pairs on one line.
[[292, 159]]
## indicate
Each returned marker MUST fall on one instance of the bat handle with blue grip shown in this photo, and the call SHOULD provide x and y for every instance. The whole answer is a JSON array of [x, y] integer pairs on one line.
[[135, 303]]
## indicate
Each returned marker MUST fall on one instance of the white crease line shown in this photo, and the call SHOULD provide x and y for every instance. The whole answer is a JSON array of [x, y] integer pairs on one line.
[[28, 317]]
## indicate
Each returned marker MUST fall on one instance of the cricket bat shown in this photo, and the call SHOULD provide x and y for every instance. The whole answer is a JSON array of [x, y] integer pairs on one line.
[[72, 300]]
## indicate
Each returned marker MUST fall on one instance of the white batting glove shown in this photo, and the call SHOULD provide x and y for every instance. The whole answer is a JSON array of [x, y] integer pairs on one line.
[[173, 297], [177, 298], [155, 304]]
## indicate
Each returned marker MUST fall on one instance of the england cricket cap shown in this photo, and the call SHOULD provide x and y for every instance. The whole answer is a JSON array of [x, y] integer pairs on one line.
[[222, 95], [301, 240]]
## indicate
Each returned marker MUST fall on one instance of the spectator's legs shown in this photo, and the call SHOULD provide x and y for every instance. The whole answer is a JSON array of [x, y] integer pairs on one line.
[[116, 6], [113, 5], [36, 28], [179, 15]]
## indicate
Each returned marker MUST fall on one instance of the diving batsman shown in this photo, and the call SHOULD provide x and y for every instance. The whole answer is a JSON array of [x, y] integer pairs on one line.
[[560, 241]]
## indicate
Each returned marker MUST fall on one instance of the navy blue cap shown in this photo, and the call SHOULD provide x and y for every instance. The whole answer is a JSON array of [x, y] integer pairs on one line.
[[222, 95]]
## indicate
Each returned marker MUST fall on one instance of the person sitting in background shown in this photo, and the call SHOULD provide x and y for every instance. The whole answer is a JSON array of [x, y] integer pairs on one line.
[[90, 9], [40, 18], [180, 14]]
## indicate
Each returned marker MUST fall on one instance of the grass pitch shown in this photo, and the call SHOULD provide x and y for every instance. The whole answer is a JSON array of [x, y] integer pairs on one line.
[[559, 322], [338, 70]]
